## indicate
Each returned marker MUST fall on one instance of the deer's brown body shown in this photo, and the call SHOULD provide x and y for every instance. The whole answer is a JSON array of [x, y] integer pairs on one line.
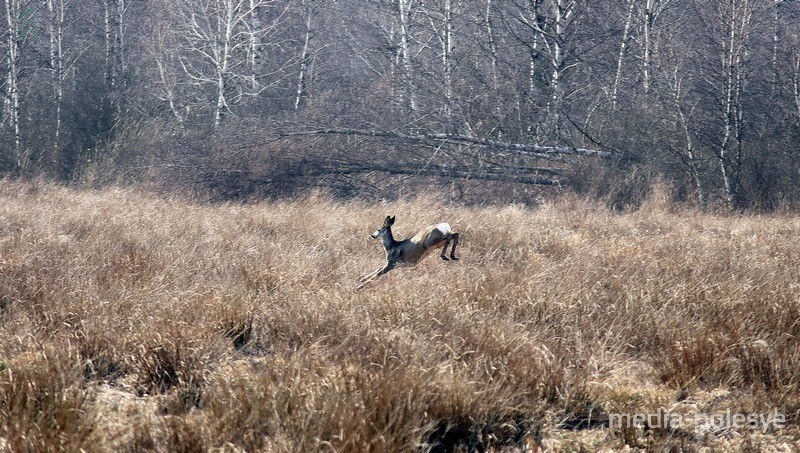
[[410, 251]]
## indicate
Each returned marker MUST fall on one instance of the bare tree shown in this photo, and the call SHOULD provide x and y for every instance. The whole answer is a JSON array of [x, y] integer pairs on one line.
[[736, 19], [115, 24], [777, 34], [650, 10], [490, 38], [311, 9], [14, 37], [167, 90], [443, 28], [623, 46], [404, 51], [796, 83], [689, 153], [550, 22], [57, 13], [216, 50], [256, 46]]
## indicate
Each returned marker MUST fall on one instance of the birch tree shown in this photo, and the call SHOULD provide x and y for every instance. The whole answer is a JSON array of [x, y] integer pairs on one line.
[[15, 33], [623, 46], [56, 10], [650, 10], [167, 86], [796, 83], [256, 45], [114, 70], [550, 22], [216, 50], [404, 51], [777, 34], [736, 18], [311, 10], [530, 16], [490, 38], [443, 28], [688, 153]]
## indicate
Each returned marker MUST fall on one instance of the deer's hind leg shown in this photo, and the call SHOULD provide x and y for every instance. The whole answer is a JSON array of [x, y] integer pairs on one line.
[[453, 250], [450, 238], [443, 255]]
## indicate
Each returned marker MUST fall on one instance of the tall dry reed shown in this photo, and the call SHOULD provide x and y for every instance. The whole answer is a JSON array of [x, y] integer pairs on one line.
[[135, 321]]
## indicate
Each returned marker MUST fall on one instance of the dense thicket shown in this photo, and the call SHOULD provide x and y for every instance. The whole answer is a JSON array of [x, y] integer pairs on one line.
[[242, 98]]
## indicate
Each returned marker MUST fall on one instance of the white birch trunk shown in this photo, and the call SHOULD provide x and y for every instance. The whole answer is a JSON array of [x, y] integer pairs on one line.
[[562, 13], [120, 39], [776, 39], [691, 159], [56, 11], [225, 26], [646, 36], [59, 70], [447, 61], [405, 51], [652, 9], [731, 147], [13, 9], [492, 44], [535, 47], [118, 64], [169, 90], [396, 94], [796, 84], [549, 26], [215, 52], [107, 28], [256, 48], [622, 48], [722, 154], [51, 16], [305, 58], [558, 57]]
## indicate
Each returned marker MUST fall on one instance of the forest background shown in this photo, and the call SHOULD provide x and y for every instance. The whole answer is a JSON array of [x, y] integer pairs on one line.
[[480, 100]]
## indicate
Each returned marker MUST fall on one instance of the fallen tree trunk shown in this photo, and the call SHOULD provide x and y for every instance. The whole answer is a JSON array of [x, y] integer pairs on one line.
[[537, 151], [438, 172]]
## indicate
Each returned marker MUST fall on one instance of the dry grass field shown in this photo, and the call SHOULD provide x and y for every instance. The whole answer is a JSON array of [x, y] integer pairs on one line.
[[134, 322]]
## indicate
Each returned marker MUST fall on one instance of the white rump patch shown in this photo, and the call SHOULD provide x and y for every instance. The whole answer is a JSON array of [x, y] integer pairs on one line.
[[444, 228]]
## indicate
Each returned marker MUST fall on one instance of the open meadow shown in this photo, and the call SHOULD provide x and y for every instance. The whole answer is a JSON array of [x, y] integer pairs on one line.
[[131, 321]]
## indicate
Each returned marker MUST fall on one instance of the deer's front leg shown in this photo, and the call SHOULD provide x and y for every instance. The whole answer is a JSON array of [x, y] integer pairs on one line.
[[371, 275], [389, 266]]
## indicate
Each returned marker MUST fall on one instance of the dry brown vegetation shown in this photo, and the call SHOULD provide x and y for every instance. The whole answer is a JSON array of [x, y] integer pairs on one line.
[[131, 321]]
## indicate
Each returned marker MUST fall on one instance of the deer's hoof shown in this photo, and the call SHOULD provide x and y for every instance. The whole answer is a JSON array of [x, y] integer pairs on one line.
[[445, 258], [453, 258]]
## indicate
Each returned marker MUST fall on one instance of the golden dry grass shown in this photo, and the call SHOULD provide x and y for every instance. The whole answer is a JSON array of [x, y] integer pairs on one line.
[[137, 322]]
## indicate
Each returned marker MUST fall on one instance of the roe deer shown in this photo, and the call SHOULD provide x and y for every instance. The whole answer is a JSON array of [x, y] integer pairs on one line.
[[410, 251]]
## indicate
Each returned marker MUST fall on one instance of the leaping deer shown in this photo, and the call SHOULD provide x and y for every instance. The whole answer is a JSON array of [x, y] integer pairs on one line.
[[410, 251]]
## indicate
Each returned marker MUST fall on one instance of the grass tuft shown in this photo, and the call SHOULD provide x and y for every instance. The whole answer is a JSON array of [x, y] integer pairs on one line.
[[43, 402]]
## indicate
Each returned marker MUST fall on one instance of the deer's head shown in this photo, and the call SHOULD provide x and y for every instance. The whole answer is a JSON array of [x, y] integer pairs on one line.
[[387, 227]]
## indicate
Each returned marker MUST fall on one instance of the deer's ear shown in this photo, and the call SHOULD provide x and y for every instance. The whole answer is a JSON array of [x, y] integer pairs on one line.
[[390, 220]]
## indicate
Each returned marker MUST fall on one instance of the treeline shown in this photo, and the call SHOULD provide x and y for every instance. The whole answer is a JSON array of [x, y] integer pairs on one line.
[[483, 99]]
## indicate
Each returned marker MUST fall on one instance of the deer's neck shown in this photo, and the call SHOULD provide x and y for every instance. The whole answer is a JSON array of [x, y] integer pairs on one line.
[[388, 240]]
